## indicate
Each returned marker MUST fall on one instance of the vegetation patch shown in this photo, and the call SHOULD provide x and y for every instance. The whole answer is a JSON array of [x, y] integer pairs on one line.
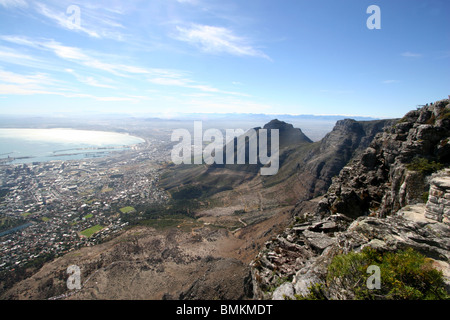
[[425, 196], [127, 209], [90, 231], [404, 275], [424, 165], [177, 221], [445, 115]]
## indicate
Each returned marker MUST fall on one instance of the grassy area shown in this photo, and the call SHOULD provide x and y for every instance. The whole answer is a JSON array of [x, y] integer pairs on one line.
[[45, 219], [90, 231], [88, 216], [182, 222], [127, 209], [161, 223]]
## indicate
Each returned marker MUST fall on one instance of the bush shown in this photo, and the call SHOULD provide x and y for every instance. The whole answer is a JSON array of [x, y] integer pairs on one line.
[[425, 196], [424, 166], [405, 275]]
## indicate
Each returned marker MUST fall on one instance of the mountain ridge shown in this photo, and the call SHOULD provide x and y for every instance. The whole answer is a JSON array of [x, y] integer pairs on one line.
[[376, 201]]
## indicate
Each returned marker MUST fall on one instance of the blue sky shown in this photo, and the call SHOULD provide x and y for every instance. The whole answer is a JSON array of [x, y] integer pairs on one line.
[[245, 56]]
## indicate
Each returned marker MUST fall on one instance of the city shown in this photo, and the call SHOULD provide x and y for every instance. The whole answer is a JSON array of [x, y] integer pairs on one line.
[[59, 206]]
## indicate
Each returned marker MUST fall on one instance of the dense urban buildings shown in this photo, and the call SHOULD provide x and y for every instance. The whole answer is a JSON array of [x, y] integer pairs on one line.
[[54, 207]]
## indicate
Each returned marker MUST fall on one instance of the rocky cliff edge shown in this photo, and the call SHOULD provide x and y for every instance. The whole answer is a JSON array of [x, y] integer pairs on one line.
[[394, 195]]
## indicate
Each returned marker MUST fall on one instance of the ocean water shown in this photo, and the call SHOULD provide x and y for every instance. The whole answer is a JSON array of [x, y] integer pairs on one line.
[[39, 145]]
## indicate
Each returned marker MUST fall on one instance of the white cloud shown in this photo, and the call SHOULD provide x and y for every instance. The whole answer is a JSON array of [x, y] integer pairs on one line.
[[97, 21], [65, 52], [14, 3], [24, 84], [77, 55], [411, 54], [213, 39], [336, 91], [14, 89], [188, 1], [42, 84], [19, 40], [390, 81], [94, 61], [8, 55], [31, 80], [64, 20], [91, 81], [177, 79]]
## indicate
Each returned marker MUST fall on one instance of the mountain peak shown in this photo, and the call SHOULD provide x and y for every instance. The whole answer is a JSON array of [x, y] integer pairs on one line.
[[288, 134], [277, 124]]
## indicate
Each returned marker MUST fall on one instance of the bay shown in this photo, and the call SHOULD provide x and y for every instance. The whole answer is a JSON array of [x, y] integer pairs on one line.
[[40, 145]]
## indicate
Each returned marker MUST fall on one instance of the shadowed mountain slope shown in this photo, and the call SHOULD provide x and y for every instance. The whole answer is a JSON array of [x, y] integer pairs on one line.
[[305, 168]]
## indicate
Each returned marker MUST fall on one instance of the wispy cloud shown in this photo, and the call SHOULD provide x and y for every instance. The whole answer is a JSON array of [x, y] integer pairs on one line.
[[77, 55], [12, 83], [409, 54], [14, 3], [188, 1], [213, 39], [91, 81], [336, 91], [63, 20], [390, 81], [33, 79], [83, 64], [42, 84], [9, 55], [176, 78], [94, 20]]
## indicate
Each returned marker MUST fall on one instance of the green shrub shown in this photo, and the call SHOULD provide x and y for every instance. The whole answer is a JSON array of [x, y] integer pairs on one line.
[[425, 196], [405, 275], [445, 115], [316, 292], [424, 165]]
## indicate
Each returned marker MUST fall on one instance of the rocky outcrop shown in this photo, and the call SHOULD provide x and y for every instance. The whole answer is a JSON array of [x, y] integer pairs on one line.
[[316, 168], [385, 177], [438, 204], [377, 200], [298, 258]]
